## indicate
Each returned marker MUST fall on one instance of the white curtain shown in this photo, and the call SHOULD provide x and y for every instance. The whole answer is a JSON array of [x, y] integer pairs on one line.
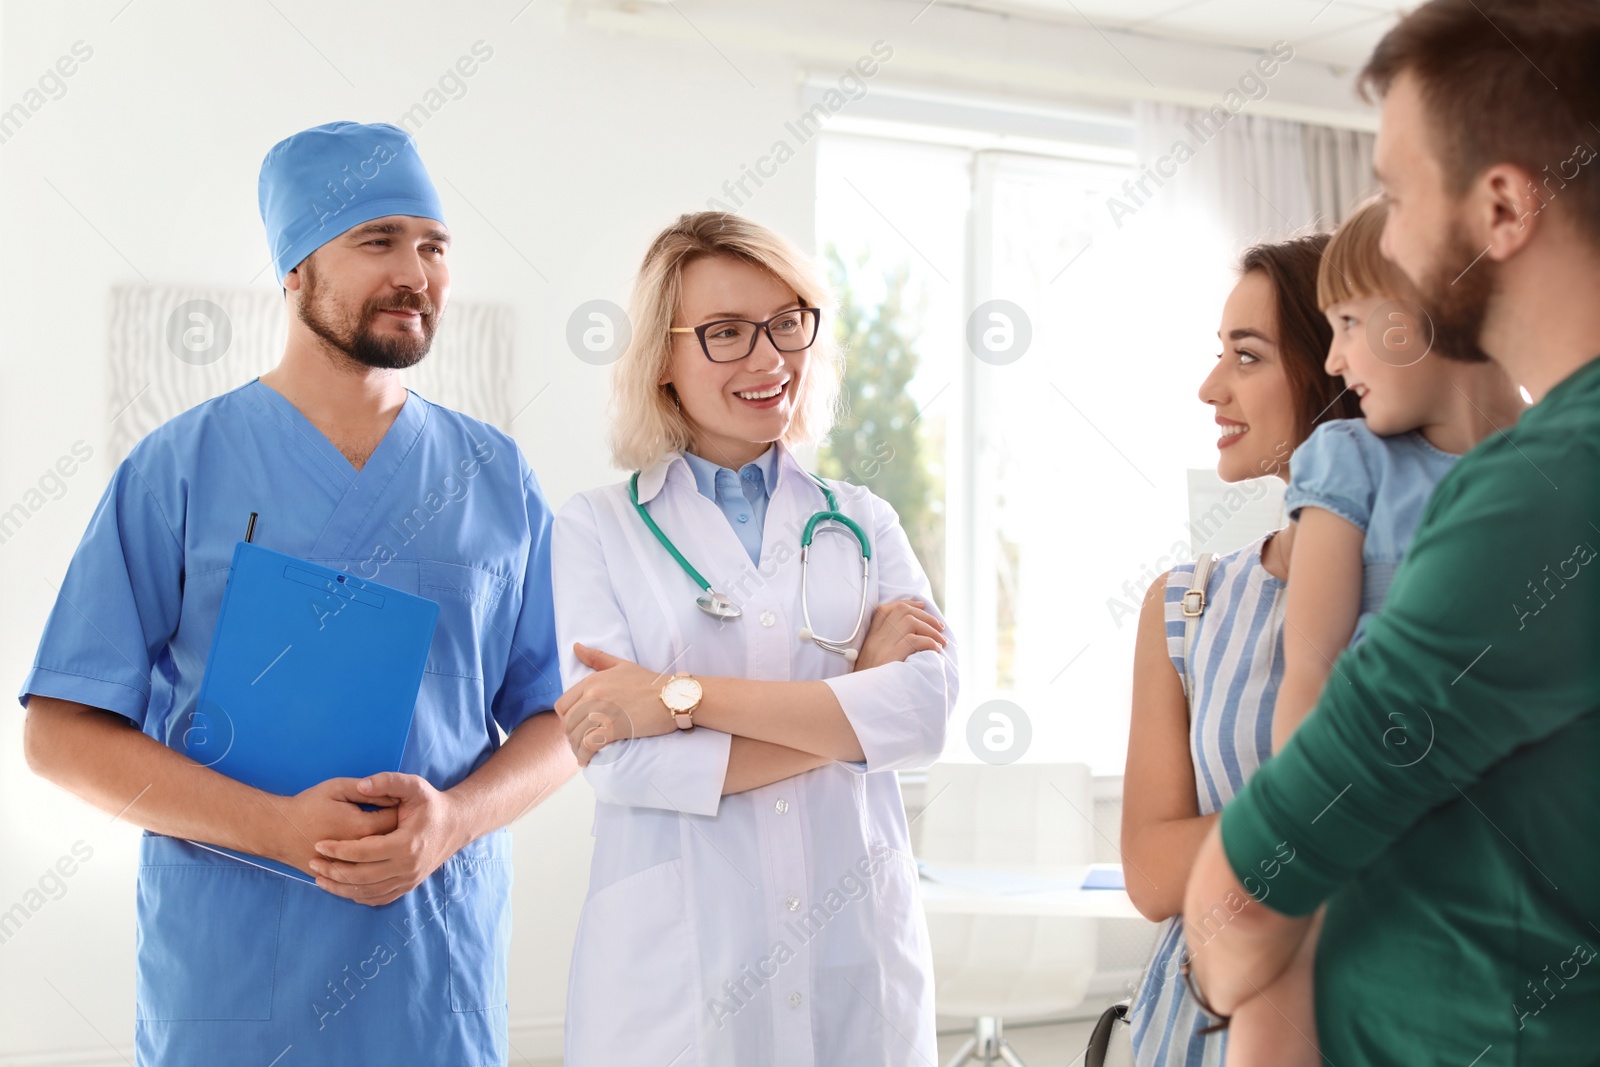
[[1339, 170], [1251, 178], [1238, 179]]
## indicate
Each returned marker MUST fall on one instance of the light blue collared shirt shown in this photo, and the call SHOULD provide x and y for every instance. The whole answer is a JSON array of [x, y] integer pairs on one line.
[[741, 496]]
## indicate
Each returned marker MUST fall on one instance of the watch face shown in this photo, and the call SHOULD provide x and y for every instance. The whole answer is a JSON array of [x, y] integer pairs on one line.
[[681, 694]]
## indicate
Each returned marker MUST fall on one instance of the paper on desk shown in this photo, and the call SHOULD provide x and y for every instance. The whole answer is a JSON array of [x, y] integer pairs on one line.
[[1007, 883], [1104, 876], [994, 883]]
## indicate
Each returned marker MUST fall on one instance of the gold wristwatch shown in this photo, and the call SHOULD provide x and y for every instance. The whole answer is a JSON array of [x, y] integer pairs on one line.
[[681, 695]]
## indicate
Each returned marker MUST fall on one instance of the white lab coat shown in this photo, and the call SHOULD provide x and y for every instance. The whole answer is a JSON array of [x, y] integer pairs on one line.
[[783, 925]]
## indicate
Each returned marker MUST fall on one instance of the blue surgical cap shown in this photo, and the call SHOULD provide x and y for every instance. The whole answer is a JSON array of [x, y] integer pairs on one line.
[[320, 182]]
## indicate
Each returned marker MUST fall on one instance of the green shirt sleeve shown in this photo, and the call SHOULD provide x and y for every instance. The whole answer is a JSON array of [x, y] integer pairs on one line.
[[1486, 643]]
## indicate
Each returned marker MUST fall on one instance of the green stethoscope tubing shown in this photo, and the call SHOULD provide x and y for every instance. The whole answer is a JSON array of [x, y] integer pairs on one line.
[[721, 607]]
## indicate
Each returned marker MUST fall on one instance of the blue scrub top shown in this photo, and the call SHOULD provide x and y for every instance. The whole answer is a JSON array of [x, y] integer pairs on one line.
[[236, 963]]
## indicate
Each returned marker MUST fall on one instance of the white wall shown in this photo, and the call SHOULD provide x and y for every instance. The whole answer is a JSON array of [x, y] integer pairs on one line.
[[580, 136]]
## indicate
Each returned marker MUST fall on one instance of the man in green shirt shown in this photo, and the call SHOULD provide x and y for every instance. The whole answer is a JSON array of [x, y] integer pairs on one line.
[[1443, 800]]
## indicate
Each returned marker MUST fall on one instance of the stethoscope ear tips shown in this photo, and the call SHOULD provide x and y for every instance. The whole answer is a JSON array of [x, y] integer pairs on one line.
[[850, 654], [805, 633]]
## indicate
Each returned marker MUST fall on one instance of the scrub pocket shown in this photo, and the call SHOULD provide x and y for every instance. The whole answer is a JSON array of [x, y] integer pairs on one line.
[[469, 602], [208, 936], [477, 919]]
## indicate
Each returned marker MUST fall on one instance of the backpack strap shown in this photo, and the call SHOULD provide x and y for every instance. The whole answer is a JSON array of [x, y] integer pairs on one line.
[[1194, 603]]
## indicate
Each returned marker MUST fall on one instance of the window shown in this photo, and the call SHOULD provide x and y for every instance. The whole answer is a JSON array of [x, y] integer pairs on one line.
[[1046, 362], [893, 275]]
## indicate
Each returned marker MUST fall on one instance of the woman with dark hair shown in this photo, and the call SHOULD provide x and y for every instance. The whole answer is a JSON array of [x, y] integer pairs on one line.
[[1208, 657]]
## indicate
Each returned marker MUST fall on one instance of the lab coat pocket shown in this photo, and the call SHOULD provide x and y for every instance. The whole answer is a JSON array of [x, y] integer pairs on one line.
[[633, 993], [468, 600], [477, 919], [208, 940], [906, 952]]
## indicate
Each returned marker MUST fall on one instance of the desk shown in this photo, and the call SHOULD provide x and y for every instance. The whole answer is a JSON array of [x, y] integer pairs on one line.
[[939, 898]]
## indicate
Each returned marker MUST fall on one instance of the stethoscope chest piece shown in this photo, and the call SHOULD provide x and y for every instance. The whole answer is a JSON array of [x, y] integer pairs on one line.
[[717, 605]]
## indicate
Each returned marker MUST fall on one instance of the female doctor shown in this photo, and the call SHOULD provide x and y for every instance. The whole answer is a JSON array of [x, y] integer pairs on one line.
[[742, 677]]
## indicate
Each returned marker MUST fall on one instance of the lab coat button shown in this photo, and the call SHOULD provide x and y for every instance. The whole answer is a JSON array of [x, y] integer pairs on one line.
[[794, 1000], [768, 618], [781, 806], [793, 903]]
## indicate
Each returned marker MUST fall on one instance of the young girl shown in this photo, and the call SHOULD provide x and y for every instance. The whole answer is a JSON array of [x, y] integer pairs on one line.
[[1357, 495], [1201, 717], [752, 898]]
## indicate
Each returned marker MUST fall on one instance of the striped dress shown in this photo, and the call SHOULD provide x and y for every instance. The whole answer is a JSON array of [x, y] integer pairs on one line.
[[1238, 663]]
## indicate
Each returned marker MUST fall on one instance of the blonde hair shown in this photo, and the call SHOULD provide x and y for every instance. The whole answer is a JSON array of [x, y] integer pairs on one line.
[[1354, 266], [646, 420]]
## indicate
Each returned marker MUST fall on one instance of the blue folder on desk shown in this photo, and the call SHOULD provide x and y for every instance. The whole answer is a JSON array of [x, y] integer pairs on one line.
[[313, 674]]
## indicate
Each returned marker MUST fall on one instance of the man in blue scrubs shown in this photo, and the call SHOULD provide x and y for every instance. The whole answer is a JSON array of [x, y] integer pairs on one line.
[[398, 953]]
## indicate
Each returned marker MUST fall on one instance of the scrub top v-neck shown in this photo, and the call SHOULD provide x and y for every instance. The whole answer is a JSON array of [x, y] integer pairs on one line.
[[356, 491]]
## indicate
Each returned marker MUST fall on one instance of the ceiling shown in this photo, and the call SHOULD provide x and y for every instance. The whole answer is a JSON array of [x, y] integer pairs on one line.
[[1341, 33]]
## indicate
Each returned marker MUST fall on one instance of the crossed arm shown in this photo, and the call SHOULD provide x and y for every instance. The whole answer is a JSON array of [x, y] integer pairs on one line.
[[780, 729], [757, 733]]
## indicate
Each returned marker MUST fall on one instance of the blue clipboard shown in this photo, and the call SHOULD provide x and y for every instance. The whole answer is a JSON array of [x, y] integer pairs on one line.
[[313, 674]]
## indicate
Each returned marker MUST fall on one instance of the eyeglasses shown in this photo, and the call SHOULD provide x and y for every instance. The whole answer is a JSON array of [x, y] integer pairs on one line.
[[727, 340]]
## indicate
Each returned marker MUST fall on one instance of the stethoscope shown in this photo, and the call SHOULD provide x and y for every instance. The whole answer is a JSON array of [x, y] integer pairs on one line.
[[718, 606]]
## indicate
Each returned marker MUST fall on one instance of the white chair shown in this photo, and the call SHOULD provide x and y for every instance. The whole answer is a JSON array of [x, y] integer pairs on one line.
[[1024, 818]]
